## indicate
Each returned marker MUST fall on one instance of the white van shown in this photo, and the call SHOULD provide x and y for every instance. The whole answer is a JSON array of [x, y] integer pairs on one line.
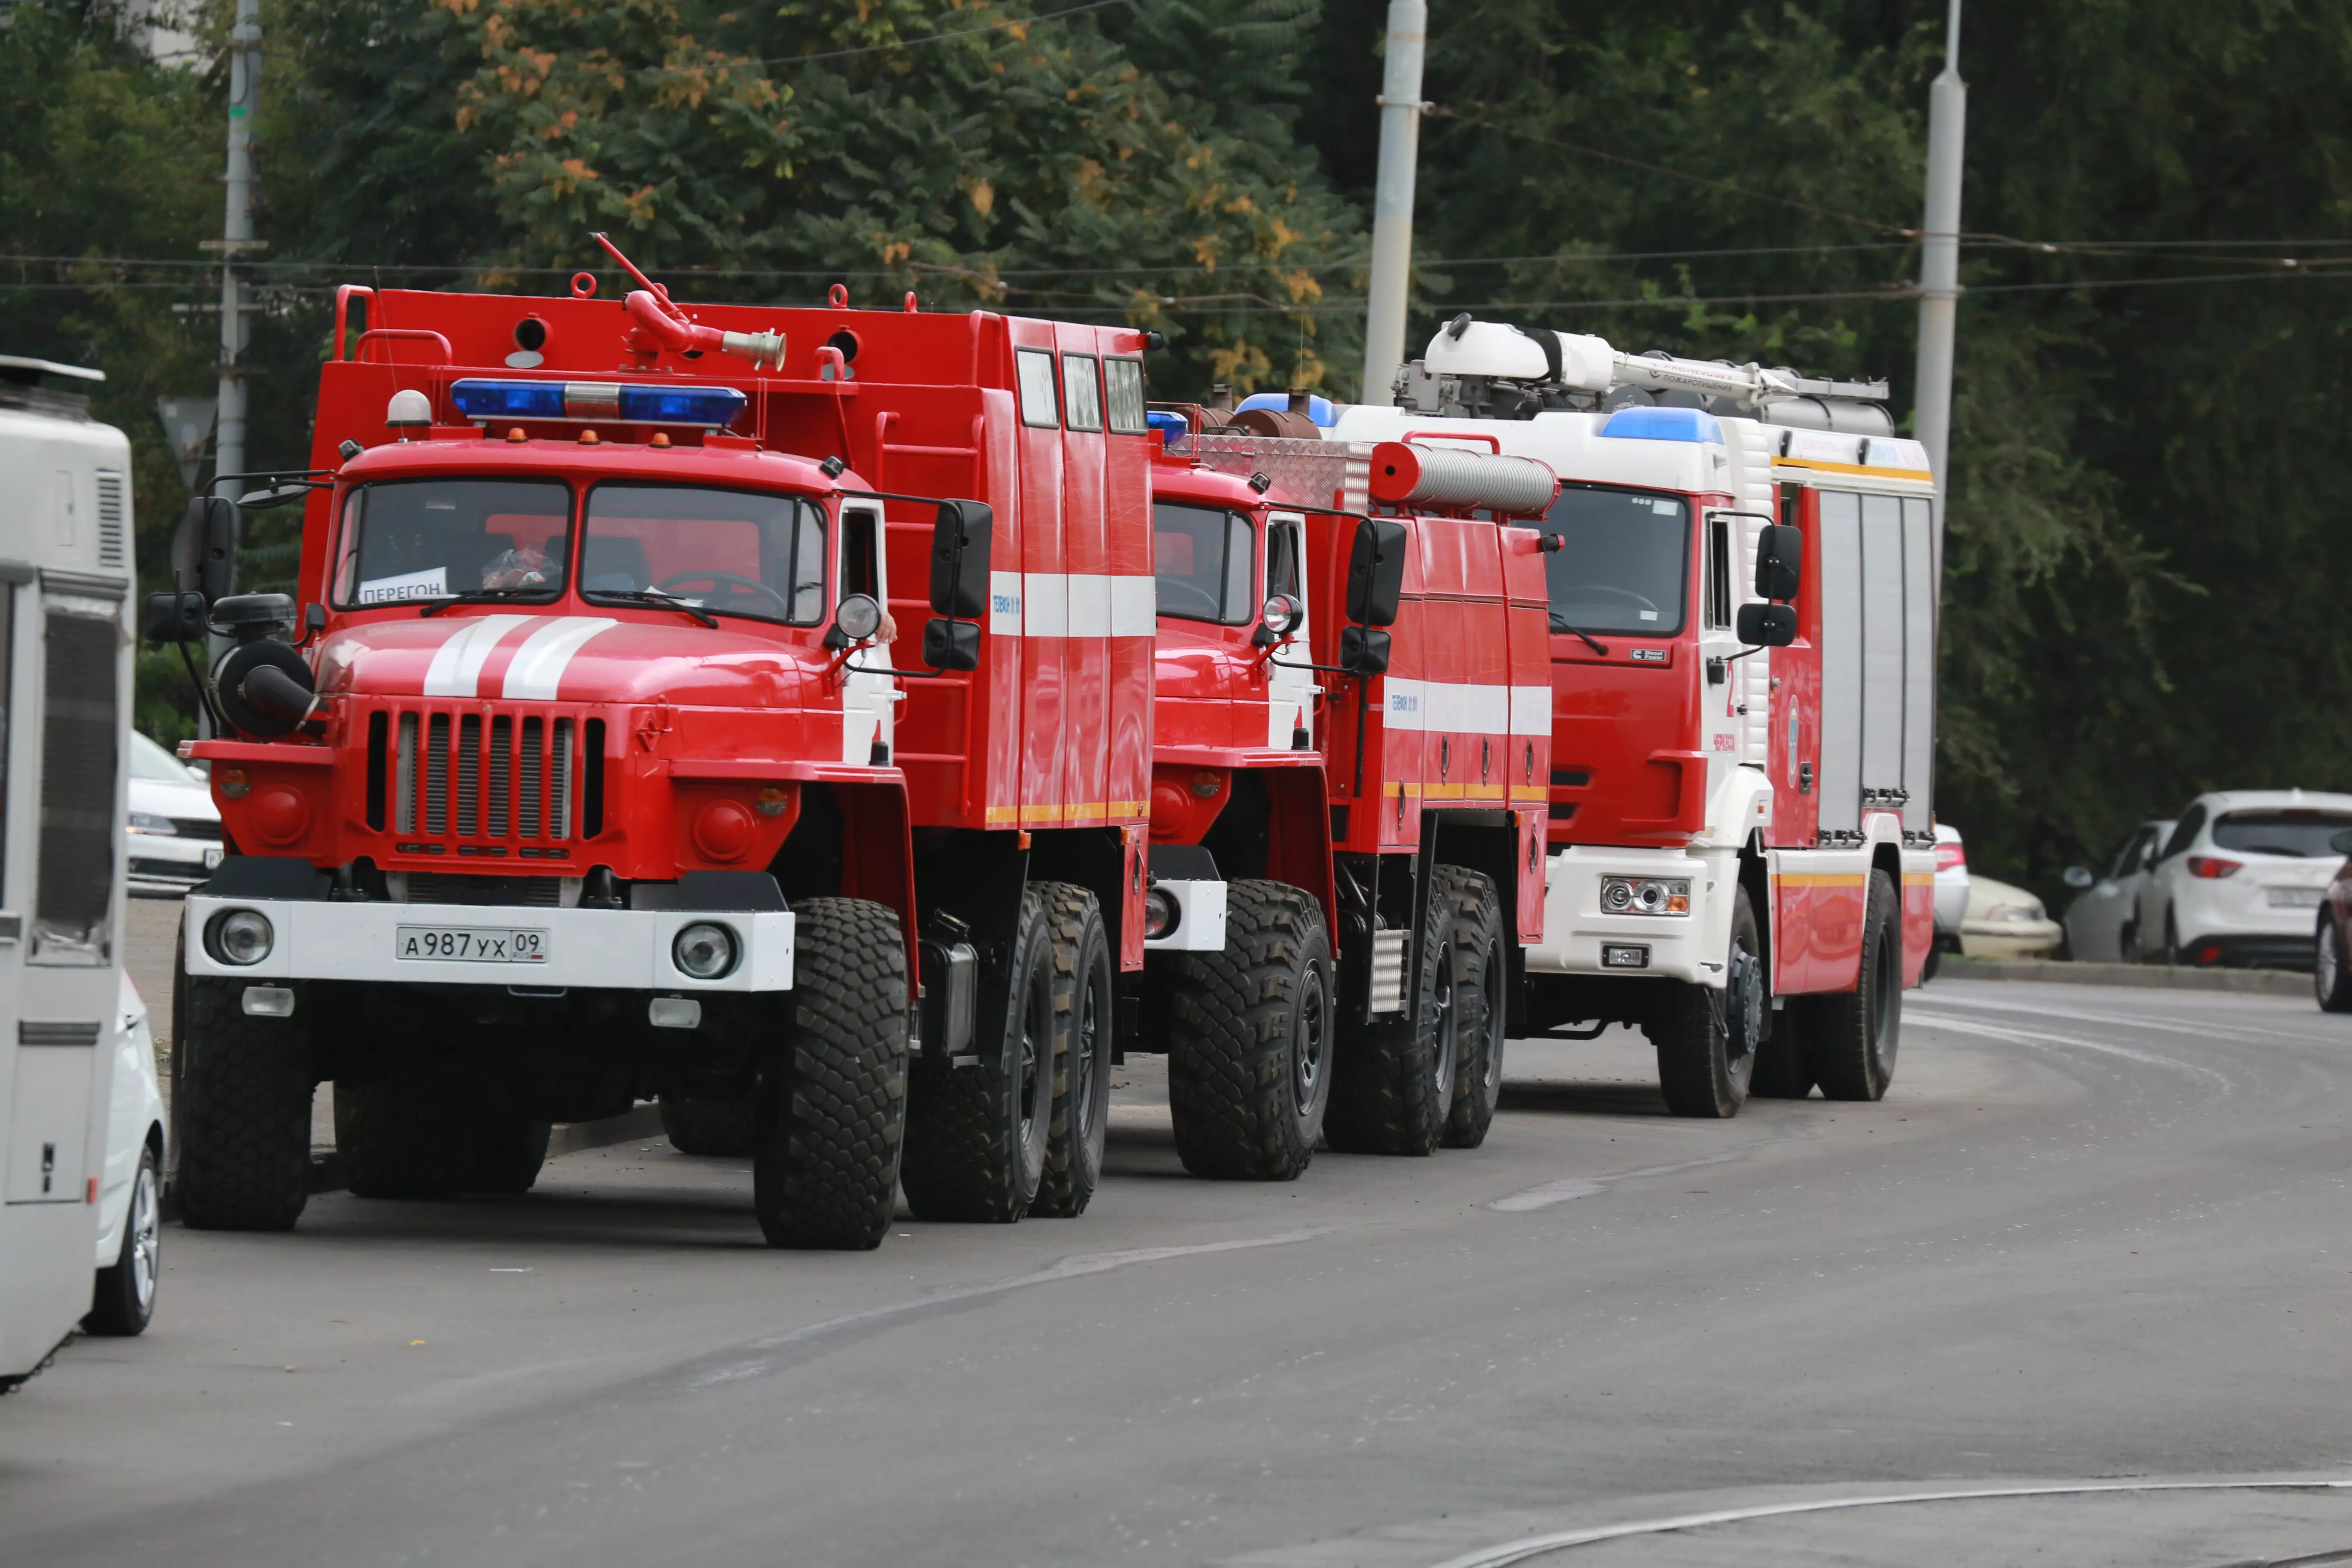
[[65, 633]]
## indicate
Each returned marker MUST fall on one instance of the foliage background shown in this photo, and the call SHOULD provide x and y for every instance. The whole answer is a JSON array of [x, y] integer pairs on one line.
[[2145, 530]]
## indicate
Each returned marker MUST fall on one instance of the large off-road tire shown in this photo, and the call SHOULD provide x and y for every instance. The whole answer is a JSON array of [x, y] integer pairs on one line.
[[124, 1299], [1706, 1039], [2331, 976], [1250, 1038], [976, 1135], [707, 1123], [1482, 1012], [243, 1112], [410, 1137], [832, 1091], [1078, 1125], [508, 1150], [1851, 1035], [1394, 1091]]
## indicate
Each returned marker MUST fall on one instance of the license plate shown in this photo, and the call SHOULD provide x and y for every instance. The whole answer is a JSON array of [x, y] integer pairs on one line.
[[2296, 898], [470, 944], [213, 858]]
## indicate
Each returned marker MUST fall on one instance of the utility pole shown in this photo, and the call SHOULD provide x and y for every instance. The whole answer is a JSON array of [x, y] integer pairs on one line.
[[1401, 109], [236, 240], [1939, 266]]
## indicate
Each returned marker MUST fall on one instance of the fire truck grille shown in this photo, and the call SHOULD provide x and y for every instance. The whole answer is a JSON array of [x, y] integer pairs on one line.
[[444, 782]]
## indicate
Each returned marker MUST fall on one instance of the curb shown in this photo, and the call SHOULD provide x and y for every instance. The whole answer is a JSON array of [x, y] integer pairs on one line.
[[2160, 977], [567, 1138]]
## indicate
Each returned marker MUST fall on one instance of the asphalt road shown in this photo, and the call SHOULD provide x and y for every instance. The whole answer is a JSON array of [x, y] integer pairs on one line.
[[2094, 1238]]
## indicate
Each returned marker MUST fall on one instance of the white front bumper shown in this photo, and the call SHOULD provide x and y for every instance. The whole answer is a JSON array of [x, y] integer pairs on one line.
[[1680, 947], [612, 950]]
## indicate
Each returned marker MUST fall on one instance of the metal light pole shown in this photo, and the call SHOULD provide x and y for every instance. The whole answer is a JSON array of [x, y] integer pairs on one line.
[[1940, 265], [236, 237], [1392, 197]]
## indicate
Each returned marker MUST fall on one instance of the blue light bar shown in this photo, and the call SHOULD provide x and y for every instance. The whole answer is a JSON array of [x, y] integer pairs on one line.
[[1640, 423], [712, 407], [1319, 409]]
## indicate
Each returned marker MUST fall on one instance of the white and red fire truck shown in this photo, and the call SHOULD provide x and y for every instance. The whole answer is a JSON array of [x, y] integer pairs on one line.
[[1743, 612], [588, 779]]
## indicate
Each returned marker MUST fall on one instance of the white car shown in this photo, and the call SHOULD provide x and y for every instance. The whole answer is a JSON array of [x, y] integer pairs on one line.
[[2102, 923], [1951, 884], [2240, 877], [174, 827], [2004, 922], [131, 1193]]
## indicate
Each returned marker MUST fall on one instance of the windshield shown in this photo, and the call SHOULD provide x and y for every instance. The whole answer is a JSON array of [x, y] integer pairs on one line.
[[2303, 834], [734, 553], [1201, 555], [428, 538], [1623, 562], [150, 761]]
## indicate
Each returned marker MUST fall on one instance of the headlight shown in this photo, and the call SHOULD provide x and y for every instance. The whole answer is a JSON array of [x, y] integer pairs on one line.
[[148, 822], [1645, 895], [704, 951], [241, 937], [1161, 914]]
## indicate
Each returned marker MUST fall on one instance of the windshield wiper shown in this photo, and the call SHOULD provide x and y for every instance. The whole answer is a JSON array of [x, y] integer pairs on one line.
[[656, 599], [478, 596], [1590, 640]]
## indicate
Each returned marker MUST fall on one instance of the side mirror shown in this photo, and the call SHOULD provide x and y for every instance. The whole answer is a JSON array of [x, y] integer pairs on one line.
[[1376, 572], [2079, 877], [1767, 625], [1779, 558], [174, 618], [959, 550], [2341, 842], [204, 548], [951, 645], [1363, 650]]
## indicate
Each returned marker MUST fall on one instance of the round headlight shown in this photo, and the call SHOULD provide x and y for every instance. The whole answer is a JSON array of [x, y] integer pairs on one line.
[[241, 937], [704, 951], [1161, 914], [859, 617], [1617, 896], [1280, 612]]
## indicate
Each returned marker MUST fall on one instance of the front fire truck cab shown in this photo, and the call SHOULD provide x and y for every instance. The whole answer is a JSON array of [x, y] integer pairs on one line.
[[1742, 654], [588, 774], [1347, 771]]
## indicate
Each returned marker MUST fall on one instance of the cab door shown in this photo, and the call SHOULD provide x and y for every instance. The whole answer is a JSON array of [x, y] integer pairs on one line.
[[1720, 534], [870, 693], [1291, 690]]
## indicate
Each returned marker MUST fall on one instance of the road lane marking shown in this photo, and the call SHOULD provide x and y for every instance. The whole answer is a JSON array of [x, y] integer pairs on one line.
[[2074, 1042], [737, 1366], [1519, 1551], [2245, 1033], [1568, 1188]]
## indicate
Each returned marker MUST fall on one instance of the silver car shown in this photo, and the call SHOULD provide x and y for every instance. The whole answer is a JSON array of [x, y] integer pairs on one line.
[[2101, 927]]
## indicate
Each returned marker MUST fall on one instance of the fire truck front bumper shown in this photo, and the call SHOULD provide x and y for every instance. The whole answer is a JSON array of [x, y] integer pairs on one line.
[[674, 952], [1637, 913]]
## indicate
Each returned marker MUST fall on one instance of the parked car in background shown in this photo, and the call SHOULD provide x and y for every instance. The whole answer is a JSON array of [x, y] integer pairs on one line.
[[1951, 897], [175, 828], [130, 1193], [2007, 923], [2240, 879], [2331, 970], [2102, 923]]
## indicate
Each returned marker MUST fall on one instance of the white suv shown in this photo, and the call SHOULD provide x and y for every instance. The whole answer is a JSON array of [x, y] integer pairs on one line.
[[2240, 877]]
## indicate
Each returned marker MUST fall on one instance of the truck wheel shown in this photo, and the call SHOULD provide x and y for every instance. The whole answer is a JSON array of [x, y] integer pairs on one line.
[[976, 1134], [1706, 1039], [508, 1150], [1851, 1035], [404, 1138], [1250, 1038], [2329, 975], [1393, 1092], [833, 1100], [124, 1301], [1079, 1124], [706, 1123], [242, 1110], [1480, 971]]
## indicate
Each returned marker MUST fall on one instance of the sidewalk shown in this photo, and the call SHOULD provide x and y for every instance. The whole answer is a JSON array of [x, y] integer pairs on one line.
[[2264, 982]]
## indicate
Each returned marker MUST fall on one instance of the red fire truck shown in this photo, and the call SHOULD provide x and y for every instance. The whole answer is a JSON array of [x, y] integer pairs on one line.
[[1350, 758], [599, 768], [1743, 648]]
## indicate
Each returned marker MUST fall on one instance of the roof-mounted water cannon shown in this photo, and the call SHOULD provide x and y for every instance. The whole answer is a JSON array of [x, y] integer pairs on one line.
[[660, 324], [1496, 370]]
